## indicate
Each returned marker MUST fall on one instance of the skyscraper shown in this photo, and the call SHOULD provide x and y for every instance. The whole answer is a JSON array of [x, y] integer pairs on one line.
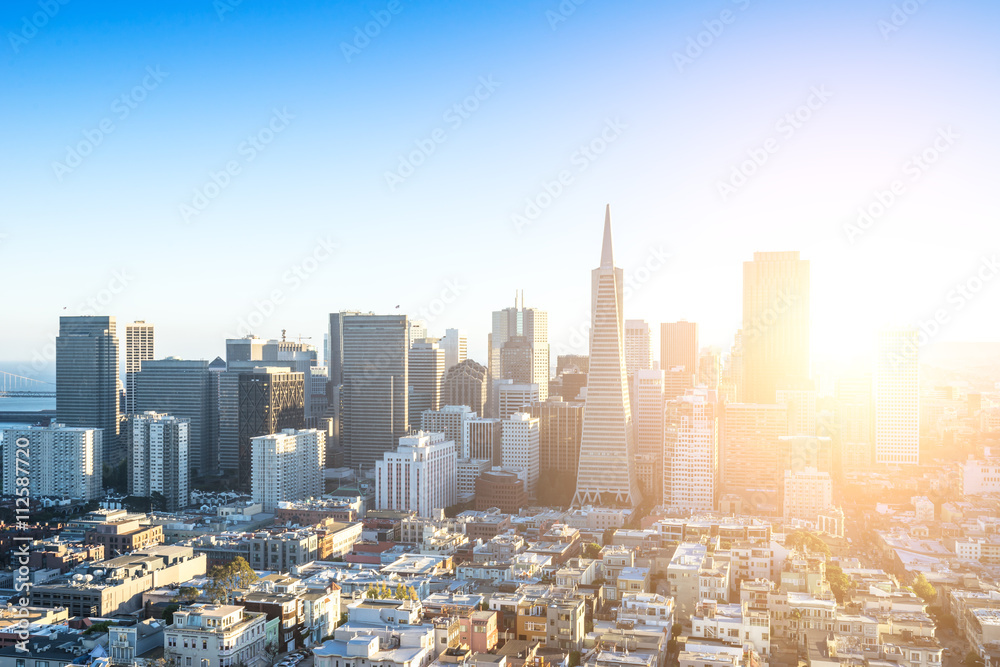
[[749, 459], [649, 423], [421, 475], [679, 345], [270, 400], [533, 325], [519, 447], [606, 475], [182, 388], [693, 452], [560, 430], [426, 376], [369, 360], [62, 461], [775, 325], [158, 452], [138, 348], [87, 379], [456, 347], [287, 466], [248, 348], [466, 384], [638, 346], [897, 397]]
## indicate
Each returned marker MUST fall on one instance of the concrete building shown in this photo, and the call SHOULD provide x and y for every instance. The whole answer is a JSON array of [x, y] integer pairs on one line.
[[287, 466], [691, 454], [503, 489], [158, 457], [481, 439], [467, 384], [60, 461], [560, 430], [649, 432], [638, 347], [450, 420], [456, 347], [749, 453], [679, 346], [808, 492], [897, 397], [427, 367], [138, 348], [420, 476], [513, 397], [519, 445], [216, 636]]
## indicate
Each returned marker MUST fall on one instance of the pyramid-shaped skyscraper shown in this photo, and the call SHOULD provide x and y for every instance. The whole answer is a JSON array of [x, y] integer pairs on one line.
[[606, 473]]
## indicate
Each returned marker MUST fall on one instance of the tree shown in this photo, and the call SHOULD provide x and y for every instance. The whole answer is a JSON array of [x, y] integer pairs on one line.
[[591, 550], [224, 579], [168, 613], [271, 652], [187, 594], [840, 583], [972, 659], [413, 594], [923, 588], [574, 658], [800, 539], [158, 501]]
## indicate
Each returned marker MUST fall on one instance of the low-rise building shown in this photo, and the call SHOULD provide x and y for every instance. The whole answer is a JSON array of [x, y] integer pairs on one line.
[[216, 636]]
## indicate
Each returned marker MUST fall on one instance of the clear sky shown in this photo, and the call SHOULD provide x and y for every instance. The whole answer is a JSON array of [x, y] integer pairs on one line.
[[116, 115]]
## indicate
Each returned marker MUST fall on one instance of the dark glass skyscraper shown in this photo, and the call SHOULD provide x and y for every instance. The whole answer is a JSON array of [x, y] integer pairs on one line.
[[87, 379], [270, 399]]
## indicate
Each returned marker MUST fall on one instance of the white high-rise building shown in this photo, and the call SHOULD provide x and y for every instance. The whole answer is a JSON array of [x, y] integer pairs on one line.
[[897, 397], [606, 473], [469, 471], [59, 461], [638, 346], [426, 376], [513, 398], [158, 457], [693, 461], [481, 439], [519, 443], [420, 476], [287, 466], [449, 420], [138, 348], [456, 347]]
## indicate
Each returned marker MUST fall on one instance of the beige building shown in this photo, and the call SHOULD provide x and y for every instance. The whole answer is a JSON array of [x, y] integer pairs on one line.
[[216, 636]]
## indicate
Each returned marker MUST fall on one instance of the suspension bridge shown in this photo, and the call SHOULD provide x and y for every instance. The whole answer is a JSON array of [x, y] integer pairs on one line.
[[17, 386]]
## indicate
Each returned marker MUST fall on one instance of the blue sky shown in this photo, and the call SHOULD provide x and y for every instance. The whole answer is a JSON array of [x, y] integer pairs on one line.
[[113, 228]]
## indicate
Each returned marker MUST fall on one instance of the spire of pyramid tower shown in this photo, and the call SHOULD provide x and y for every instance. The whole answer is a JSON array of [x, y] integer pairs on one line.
[[607, 253]]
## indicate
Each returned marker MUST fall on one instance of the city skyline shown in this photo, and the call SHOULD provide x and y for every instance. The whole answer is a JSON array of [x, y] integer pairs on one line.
[[872, 97]]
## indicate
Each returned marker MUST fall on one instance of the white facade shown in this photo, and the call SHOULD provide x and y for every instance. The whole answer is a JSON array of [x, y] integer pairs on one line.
[[808, 492], [979, 477], [216, 636], [519, 438], [514, 397], [638, 346], [450, 420], [58, 460], [456, 347], [897, 397], [694, 459], [481, 439], [421, 475], [733, 624], [287, 466], [649, 427], [469, 471], [138, 348], [159, 457]]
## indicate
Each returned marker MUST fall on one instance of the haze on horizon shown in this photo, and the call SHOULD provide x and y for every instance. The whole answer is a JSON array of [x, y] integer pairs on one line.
[[901, 116]]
